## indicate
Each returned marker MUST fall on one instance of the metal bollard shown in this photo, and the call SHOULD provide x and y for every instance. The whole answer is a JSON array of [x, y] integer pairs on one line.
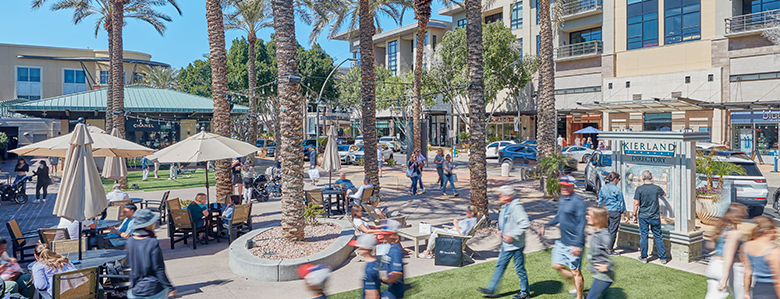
[[775, 165], [505, 168]]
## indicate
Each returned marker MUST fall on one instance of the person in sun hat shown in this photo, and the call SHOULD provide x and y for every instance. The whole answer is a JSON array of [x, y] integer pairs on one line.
[[568, 249], [393, 261], [315, 277], [144, 257], [371, 281]]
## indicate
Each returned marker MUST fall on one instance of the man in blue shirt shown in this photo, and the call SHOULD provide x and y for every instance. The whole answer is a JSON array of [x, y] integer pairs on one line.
[[345, 184], [145, 168], [568, 250], [371, 281], [393, 260], [124, 229], [512, 224]]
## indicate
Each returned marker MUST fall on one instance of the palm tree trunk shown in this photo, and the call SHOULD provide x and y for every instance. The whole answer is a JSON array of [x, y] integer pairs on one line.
[[219, 86], [252, 136], [117, 66], [422, 11], [546, 121], [476, 93], [109, 93], [291, 126], [368, 91]]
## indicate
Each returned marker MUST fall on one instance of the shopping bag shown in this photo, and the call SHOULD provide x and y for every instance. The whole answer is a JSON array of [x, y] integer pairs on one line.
[[425, 228], [454, 178], [449, 252], [314, 173]]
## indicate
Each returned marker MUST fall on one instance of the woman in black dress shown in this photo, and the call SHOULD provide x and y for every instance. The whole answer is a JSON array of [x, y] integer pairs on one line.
[[43, 181]]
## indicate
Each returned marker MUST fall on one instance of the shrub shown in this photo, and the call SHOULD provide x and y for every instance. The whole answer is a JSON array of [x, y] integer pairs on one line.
[[311, 212], [392, 162]]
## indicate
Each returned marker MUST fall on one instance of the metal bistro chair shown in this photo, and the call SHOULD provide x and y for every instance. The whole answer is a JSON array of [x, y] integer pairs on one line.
[[76, 284], [316, 198], [180, 224], [238, 222], [19, 243], [67, 246], [46, 235], [160, 205]]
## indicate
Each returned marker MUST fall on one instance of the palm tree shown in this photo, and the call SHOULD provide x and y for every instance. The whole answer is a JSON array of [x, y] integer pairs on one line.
[[291, 126], [476, 93], [422, 12], [334, 14], [162, 77], [135, 9], [249, 16], [546, 121], [219, 87]]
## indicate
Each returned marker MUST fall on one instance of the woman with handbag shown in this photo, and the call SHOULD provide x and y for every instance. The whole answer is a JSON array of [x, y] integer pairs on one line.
[[413, 171], [449, 176]]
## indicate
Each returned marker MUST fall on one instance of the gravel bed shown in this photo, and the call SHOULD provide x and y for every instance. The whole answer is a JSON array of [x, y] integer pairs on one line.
[[272, 246]]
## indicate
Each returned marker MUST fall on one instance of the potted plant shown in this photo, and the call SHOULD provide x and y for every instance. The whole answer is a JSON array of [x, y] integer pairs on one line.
[[710, 204], [551, 168]]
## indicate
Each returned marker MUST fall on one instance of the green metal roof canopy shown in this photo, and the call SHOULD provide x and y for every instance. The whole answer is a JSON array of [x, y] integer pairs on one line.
[[138, 99]]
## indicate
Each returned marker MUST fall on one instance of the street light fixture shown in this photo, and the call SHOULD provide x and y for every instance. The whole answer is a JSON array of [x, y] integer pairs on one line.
[[319, 100]]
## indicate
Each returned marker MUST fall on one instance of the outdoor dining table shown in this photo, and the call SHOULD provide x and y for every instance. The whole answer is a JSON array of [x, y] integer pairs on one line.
[[92, 258], [105, 224], [340, 198]]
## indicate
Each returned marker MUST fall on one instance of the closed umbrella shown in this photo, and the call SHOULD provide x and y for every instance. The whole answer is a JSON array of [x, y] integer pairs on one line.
[[104, 145], [203, 147], [81, 195], [114, 168], [331, 160]]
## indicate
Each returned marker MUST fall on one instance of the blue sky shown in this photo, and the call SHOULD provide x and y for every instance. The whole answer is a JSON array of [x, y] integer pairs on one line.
[[184, 41]]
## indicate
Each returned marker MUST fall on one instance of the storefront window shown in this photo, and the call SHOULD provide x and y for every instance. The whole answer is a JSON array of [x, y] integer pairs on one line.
[[766, 139], [742, 139], [382, 128], [153, 134], [658, 121]]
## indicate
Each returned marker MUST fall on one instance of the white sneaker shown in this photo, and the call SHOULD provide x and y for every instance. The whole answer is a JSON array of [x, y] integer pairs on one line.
[[422, 255], [35, 201]]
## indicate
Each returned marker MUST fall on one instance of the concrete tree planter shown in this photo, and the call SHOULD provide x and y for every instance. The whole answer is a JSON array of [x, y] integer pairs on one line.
[[244, 263]]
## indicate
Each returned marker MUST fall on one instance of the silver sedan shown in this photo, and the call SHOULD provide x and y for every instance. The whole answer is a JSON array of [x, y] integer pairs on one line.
[[579, 153]]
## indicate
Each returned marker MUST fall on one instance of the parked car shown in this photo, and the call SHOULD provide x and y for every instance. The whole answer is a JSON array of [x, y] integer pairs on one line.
[[343, 150], [359, 140], [579, 153], [393, 142], [356, 153], [752, 189], [525, 156], [529, 142], [341, 141], [711, 145], [269, 146], [492, 149]]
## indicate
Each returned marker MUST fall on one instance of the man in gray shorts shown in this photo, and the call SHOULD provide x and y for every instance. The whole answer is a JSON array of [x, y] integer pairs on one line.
[[568, 249]]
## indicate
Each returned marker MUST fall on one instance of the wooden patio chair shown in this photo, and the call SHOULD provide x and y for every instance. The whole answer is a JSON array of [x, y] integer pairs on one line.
[[46, 235], [119, 203], [64, 247], [466, 249], [238, 223], [114, 213], [76, 284], [369, 209], [173, 204], [180, 224], [316, 198], [19, 242], [367, 193]]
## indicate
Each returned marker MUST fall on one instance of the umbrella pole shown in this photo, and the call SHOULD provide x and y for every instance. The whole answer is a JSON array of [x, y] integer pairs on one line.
[[207, 183], [79, 240]]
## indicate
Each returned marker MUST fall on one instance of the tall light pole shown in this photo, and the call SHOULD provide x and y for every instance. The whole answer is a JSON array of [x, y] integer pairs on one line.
[[319, 97]]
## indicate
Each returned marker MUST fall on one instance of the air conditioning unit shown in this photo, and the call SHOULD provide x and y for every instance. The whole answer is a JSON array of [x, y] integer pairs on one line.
[[637, 97], [676, 94]]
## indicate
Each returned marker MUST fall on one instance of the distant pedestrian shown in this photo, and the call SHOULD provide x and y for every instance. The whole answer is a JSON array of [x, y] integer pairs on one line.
[[235, 170], [315, 277], [380, 158], [512, 224], [598, 254], [314, 173], [148, 279], [761, 257], [602, 145], [421, 160], [439, 161], [577, 141], [21, 168], [560, 141], [248, 175], [588, 143], [54, 161], [43, 181], [725, 272], [611, 198], [156, 163], [567, 252], [145, 168], [413, 170], [449, 176], [173, 172], [647, 213]]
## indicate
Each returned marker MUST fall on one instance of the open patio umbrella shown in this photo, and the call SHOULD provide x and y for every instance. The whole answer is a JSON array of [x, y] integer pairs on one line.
[[104, 145], [331, 160], [588, 130], [114, 168], [81, 195], [203, 147]]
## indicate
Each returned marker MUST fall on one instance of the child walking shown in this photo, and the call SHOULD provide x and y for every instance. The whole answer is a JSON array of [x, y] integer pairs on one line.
[[598, 255]]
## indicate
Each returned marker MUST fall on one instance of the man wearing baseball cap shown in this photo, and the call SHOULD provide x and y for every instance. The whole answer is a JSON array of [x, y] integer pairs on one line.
[[393, 260], [568, 249], [315, 277], [371, 281]]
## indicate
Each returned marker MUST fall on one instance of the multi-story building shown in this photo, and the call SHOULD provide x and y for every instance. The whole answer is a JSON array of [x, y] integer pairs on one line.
[[660, 65]]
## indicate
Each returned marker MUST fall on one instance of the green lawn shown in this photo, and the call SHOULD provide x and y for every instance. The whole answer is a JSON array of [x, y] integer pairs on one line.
[[194, 181], [633, 280]]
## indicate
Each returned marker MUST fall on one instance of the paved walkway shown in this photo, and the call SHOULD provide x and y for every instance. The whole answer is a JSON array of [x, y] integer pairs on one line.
[[204, 273]]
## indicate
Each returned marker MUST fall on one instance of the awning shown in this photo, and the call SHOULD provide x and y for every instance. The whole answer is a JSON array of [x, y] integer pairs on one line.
[[647, 106], [101, 59], [744, 105]]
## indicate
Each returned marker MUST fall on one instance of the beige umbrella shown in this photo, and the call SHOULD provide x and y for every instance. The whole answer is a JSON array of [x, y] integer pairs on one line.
[[331, 160], [81, 195], [203, 147], [94, 130], [114, 168], [104, 145]]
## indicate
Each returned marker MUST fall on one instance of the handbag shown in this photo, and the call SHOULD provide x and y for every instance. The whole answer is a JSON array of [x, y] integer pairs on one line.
[[449, 252], [454, 177], [409, 172]]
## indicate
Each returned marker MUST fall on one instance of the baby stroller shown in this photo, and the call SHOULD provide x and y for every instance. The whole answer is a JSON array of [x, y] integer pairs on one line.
[[274, 187], [14, 192], [258, 189]]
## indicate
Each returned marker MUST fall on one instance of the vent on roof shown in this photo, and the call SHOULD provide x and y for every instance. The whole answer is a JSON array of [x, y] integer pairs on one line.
[[637, 97], [676, 94]]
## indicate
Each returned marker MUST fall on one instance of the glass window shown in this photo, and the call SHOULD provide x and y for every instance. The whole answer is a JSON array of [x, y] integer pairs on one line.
[[682, 21], [494, 18], [537, 12], [392, 57], [74, 81], [434, 42], [766, 139], [642, 24], [585, 35], [103, 77], [520, 44], [742, 138], [755, 6], [517, 15], [658, 121], [538, 44], [28, 83], [462, 23]]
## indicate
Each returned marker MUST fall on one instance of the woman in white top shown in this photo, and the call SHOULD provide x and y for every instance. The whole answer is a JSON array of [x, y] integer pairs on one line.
[[362, 226], [463, 227]]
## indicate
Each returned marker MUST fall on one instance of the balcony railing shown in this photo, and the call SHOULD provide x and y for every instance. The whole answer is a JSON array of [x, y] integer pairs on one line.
[[575, 7], [584, 49], [753, 22]]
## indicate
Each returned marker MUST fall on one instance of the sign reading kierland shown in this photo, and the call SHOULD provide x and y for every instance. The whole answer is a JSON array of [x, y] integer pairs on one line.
[[649, 152]]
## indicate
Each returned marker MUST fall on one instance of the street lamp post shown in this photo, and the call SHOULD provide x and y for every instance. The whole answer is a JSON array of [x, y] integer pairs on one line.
[[319, 101]]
